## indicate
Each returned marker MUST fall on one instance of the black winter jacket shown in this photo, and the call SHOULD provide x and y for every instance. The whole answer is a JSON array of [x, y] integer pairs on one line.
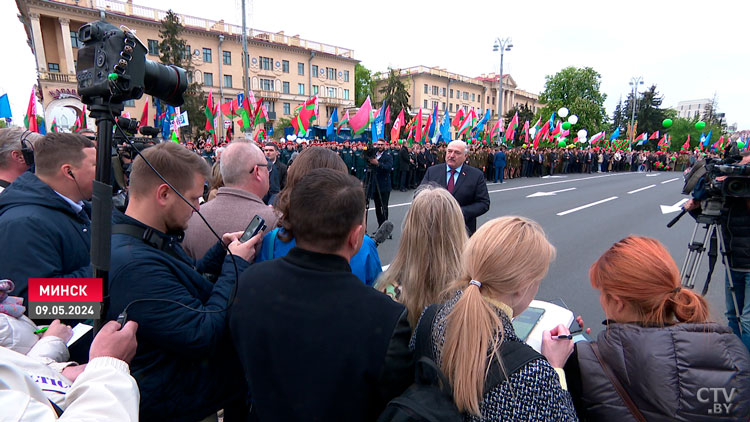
[[677, 373]]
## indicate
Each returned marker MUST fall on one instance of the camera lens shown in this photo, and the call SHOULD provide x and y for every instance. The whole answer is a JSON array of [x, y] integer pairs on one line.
[[165, 82]]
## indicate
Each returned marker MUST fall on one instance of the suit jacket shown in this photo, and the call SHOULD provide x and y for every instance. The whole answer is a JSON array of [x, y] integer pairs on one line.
[[470, 191], [315, 343], [500, 159], [383, 172]]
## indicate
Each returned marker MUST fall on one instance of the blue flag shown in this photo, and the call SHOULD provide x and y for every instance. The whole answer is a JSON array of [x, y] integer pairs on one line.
[[433, 124], [330, 130], [708, 138], [157, 105], [481, 123], [166, 123], [378, 125], [703, 140], [551, 121], [445, 127], [5, 106], [615, 134]]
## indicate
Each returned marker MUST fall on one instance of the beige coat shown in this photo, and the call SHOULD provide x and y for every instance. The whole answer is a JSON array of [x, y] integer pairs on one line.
[[231, 211]]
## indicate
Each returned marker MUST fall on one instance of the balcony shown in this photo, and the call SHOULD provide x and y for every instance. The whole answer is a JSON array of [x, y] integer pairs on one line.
[[58, 77]]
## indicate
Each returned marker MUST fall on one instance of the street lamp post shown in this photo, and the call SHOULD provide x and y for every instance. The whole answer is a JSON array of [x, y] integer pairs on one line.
[[501, 45], [634, 82]]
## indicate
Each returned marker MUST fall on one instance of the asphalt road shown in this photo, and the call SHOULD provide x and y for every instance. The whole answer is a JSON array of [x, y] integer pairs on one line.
[[586, 215]]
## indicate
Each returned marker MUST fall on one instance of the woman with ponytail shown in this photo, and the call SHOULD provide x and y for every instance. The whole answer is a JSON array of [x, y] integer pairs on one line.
[[501, 269], [659, 358]]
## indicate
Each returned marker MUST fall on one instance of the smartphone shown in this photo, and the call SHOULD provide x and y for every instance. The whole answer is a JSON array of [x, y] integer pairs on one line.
[[257, 224], [525, 323]]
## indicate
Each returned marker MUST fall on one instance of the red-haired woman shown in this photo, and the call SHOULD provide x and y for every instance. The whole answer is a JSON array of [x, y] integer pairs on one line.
[[659, 358]]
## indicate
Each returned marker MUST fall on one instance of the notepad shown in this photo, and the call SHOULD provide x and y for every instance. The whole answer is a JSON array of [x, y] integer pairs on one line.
[[79, 331], [552, 317]]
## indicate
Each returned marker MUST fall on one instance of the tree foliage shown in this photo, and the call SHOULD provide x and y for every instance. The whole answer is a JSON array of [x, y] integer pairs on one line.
[[524, 113], [578, 89], [364, 86], [648, 111], [173, 50], [680, 130], [396, 96], [280, 125]]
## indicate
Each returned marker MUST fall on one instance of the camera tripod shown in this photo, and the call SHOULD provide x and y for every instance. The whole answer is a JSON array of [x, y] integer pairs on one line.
[[368, 185], [709, 221]]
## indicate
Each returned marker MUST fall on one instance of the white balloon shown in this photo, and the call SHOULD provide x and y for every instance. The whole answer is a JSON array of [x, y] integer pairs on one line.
[[573, 119], [563, 112], [582, 133], [532, 131]]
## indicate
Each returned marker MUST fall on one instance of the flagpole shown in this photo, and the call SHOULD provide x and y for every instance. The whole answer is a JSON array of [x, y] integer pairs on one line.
[[502, 45], [245, 57], [634, 81]]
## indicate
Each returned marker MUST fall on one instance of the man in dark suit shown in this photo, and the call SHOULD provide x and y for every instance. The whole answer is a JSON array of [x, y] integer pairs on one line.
[[403, 165], [380, 187], [464, 182], [499, 164], [315, 343], [277, 175]]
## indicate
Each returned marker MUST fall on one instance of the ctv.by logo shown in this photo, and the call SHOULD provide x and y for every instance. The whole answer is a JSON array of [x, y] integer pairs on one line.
[[722, 399]]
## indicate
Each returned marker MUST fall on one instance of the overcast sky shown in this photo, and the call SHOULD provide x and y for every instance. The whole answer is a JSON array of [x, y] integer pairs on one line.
[[689, 49]]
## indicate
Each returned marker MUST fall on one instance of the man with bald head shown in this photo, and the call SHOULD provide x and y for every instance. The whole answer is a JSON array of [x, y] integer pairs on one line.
[[245, 171], [464, 182]]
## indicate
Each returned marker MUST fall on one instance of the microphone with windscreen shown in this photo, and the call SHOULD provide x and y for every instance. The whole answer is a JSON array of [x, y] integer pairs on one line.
[[383, 232]]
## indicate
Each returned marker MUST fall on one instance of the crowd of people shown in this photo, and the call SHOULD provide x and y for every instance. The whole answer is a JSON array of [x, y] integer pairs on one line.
[[300, 323]]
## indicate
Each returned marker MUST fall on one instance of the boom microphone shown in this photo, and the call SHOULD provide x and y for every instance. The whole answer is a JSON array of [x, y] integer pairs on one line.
[[381, 235]]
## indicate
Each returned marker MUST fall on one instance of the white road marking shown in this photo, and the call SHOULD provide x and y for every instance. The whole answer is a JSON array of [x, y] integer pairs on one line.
[[652, 175], [553, 193], [586, 206], [666, 209], [670, 180], [638, 190]]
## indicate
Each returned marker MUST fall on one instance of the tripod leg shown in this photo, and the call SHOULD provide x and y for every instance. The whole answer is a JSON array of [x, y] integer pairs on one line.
[[730, 282], [711, 259], [695, 254]]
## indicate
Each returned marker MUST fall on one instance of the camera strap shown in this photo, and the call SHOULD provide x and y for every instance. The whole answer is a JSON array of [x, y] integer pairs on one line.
[[150, 237]]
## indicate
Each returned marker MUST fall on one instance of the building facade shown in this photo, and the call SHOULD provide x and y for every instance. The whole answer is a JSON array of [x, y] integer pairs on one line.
[[283, 70], [692, 108], [435, 88]]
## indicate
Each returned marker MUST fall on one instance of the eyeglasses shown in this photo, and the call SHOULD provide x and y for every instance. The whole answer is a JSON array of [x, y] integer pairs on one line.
[[268, 165]]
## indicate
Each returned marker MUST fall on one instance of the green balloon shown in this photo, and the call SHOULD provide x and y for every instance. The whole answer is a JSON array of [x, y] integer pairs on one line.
[[566, 125], [700, 125], [561, 143], [667, 123], [740, 145]]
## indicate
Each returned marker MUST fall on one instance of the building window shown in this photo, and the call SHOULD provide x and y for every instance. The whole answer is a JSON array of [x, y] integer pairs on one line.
[[129, 103], [53, 67], [443, 108], [208, 79], [466, 96], [76, 43], [346, 76], [266, 84], [332, 92], [228, 81], [493, 100], [426, 88], [301, 69], [434, 105], [425, 103], [190, 77], [153, 45], [346, 94], [331, 73], [435, 90], [479, 98], [451, 108], [285, 66], [473, 97], [451, 95], [207, 55], [269, 106], [301, 89], [314, 70], [186, 53], [286, 108], [227, 57], [443, 91], [458, 94], [266, 63], [315, 90], [285, 87]]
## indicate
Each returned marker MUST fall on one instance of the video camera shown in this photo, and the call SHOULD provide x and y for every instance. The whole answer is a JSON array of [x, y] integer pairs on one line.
[[112, 65], [369, 152]]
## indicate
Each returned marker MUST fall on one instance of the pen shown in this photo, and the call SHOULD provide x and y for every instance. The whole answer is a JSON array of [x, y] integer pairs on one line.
[[41, 330], [564, 336]]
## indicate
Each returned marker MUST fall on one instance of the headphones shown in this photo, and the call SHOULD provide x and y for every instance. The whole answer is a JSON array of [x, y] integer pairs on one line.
[[27, 148], [70, 172]]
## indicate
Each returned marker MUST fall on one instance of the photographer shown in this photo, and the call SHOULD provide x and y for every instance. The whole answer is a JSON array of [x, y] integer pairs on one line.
[[736, 231], [184, 366], [380, 166]]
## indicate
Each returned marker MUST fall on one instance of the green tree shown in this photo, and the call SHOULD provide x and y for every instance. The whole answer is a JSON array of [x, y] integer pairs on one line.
[[578, 89], [396, 96], [173, 50], [364, 86], [281, 124], [618, 116], [648, 113], [524, 114], [3, 124], [680, 130]]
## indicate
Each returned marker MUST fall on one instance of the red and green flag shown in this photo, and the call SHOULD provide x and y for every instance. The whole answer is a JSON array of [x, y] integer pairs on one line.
[[362, 118], [458, 118], [76, 126], [342, 122], [30, 120], [260, 135], [144, 114], [654, 135], [686, 146], [261, 115], [209, 114], [54, 127]]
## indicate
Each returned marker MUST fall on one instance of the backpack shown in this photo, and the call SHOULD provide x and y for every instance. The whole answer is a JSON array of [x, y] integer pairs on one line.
[[430, 397]]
